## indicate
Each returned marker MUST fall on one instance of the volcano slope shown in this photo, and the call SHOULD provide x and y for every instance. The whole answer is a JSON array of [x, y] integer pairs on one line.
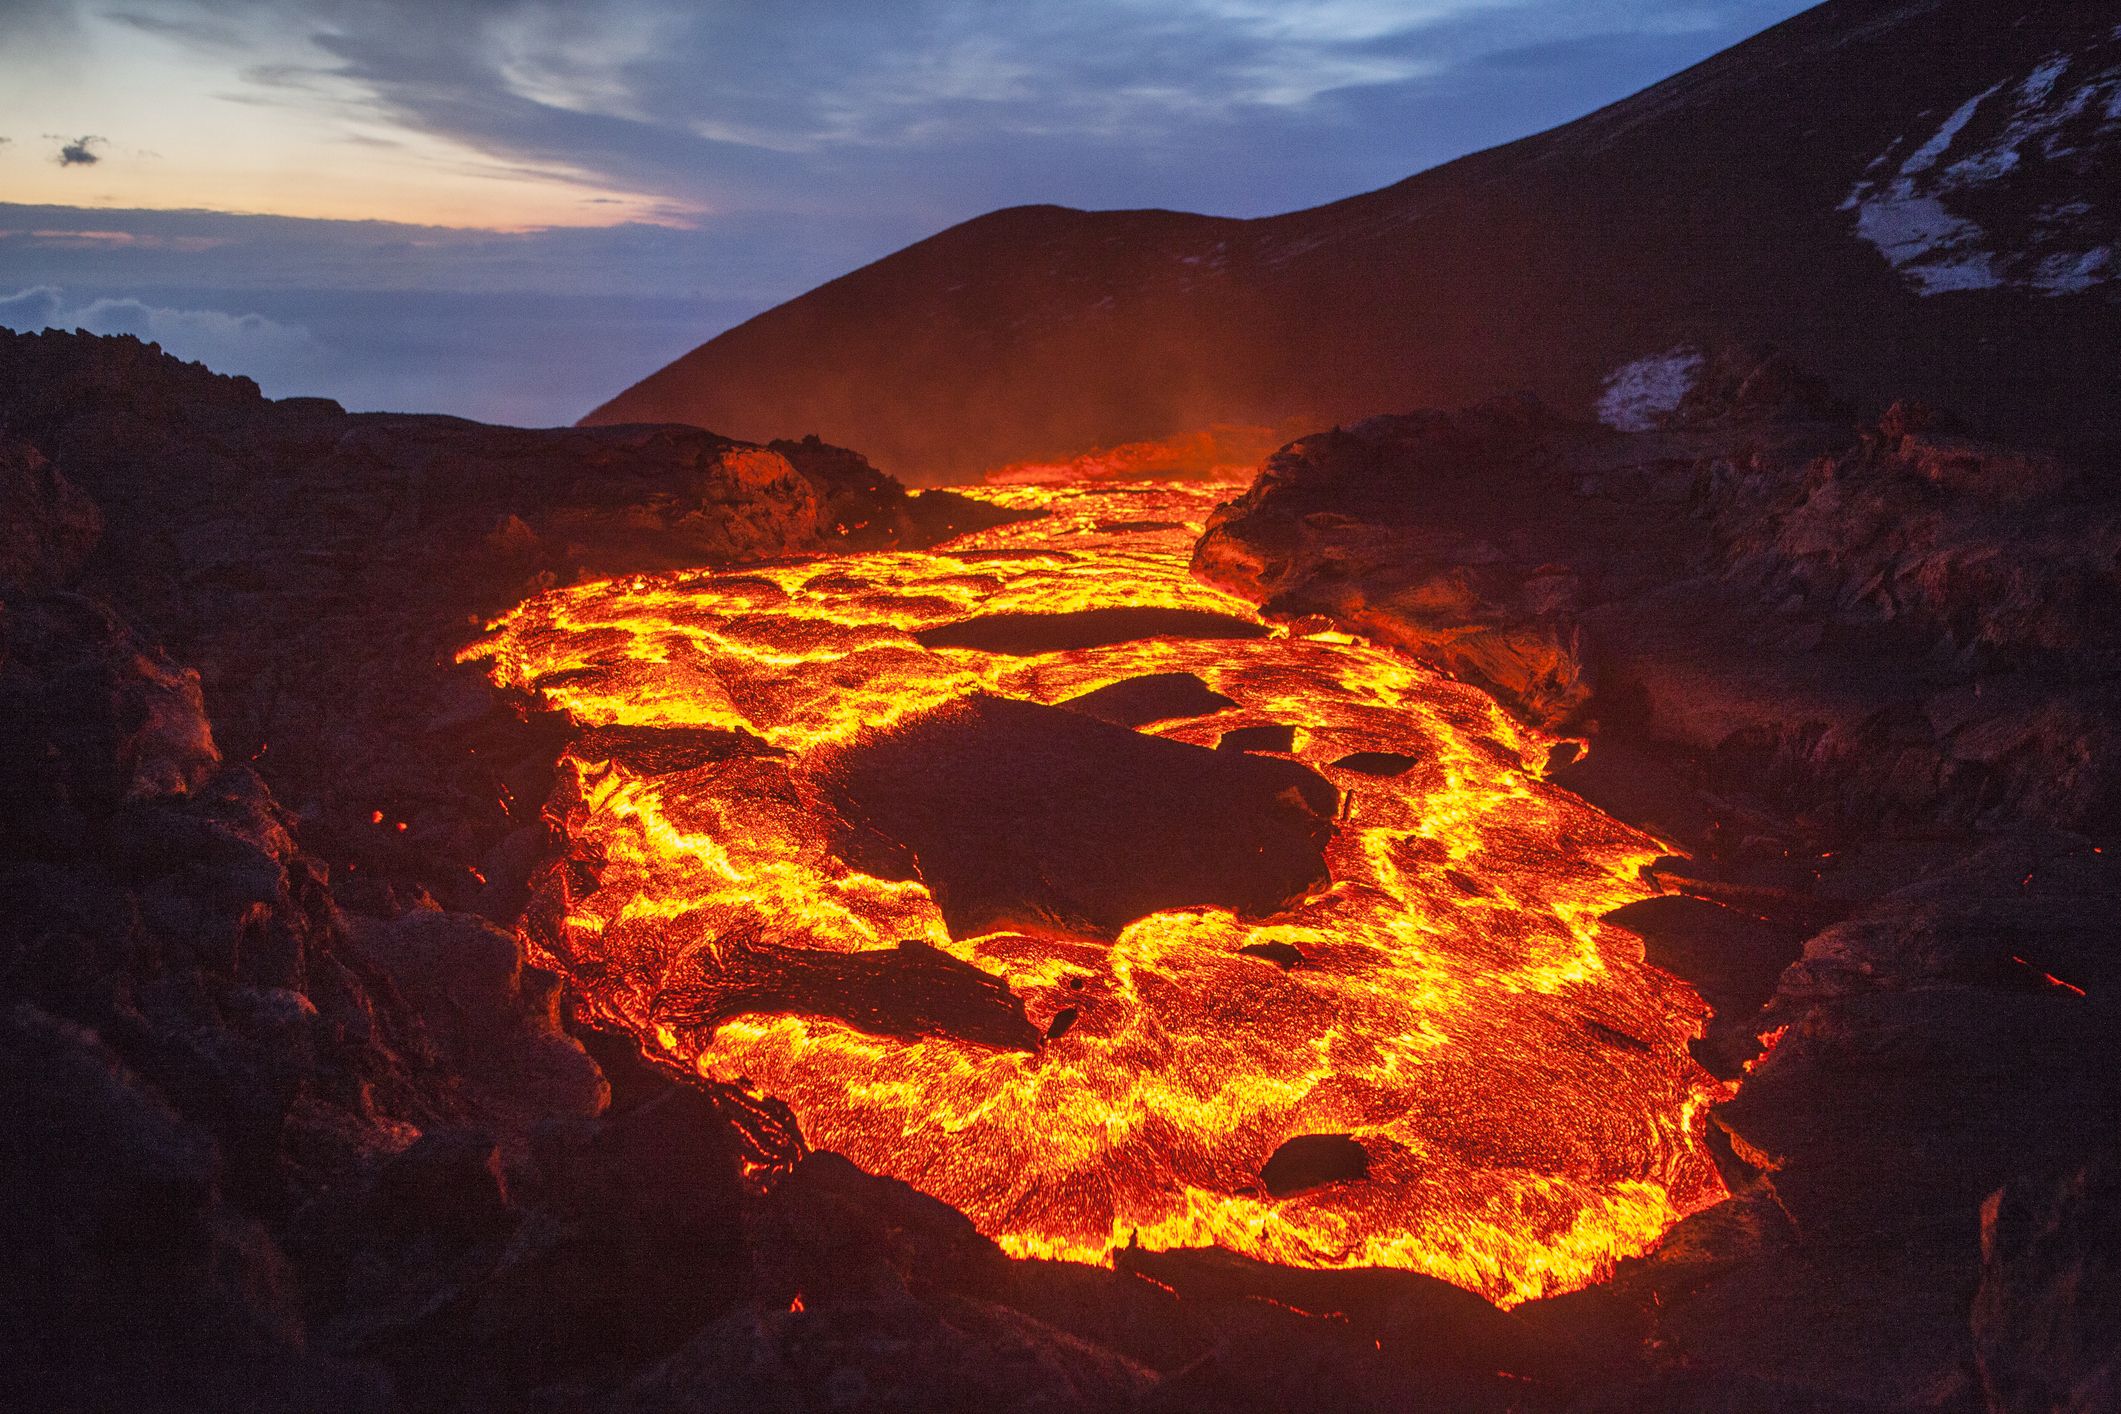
[[1914, 197]]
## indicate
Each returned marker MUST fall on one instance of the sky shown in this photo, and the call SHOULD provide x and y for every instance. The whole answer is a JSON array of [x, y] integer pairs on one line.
[[512, 209]]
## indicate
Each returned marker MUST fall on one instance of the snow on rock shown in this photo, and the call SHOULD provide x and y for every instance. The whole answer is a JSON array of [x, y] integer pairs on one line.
[[2058, 125], [1640, 395]]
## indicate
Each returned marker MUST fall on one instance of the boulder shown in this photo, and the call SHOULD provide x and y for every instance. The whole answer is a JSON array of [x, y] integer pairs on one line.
[[494, 1018], [2046, 1317]]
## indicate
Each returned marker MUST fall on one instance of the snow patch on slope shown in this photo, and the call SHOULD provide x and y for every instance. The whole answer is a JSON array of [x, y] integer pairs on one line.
[[1641, 395], [2060, 124]]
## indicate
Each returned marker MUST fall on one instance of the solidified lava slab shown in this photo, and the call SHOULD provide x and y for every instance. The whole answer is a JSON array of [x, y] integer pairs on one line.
[[1152, 697], [660, 751], [1309, 1160], [1024, 634], [1035, 819], [1382, 764], [1271, 736], [908, 991]]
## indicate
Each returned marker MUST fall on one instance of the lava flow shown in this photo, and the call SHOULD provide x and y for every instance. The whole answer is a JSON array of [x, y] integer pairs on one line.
[[1516, 1076]]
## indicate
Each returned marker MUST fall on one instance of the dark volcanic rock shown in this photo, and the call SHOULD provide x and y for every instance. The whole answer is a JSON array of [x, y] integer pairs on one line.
[[1897, 624], [320, 571], [96, 718], [1732, 959], [1309, 1160], [909, 991], [2049, 1309], [1377, 763], [1084, 628], [1952, 1034], [874, 1295], [1261, 738], [47, 526], [1394, 530], [1153, 697], [134, 1283], [193, 1049], [1034, 818], [495, 1020], [866, 510], [1367, 1338], [662, 751], [893, 1354], [1124, 527]]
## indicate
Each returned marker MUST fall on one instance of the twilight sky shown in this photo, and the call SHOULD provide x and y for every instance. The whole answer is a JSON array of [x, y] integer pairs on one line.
[[511, 209]]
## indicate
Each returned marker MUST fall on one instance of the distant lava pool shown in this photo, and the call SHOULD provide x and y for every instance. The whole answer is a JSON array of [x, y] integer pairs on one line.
[[1073, 970]]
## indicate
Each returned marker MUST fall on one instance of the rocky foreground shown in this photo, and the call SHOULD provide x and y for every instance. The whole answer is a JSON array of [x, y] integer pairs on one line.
[[289, 1123]]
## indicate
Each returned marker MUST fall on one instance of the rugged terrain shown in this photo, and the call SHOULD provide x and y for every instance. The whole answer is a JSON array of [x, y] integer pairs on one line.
[[1914, 197], [319, 570], [1864, 674], [291, 1124]]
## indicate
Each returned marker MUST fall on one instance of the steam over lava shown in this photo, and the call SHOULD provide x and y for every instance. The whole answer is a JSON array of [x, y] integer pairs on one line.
[[1074, 1062]]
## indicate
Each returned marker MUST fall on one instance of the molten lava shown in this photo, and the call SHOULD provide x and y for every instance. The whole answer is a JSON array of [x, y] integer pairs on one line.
[[1515, 1075]]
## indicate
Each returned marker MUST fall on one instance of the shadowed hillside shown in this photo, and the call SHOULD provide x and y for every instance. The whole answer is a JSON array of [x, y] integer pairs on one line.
[[1937, 165]]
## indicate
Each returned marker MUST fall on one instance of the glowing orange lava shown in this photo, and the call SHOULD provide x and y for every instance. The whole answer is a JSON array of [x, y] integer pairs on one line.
[[1517, 1074]]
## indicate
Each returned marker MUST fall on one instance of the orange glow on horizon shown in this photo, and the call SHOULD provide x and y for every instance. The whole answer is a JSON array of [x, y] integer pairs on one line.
[[267, 130]]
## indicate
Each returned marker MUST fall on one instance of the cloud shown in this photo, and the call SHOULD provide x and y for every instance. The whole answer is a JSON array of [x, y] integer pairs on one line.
[[918, 113], [532, 359], [81, 152], [748, 257], [34, 308], [238, 342], [38, 21], [228, 343]]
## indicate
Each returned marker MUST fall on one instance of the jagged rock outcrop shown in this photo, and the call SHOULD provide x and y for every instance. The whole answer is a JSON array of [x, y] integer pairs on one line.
[[2050, 1298], [1862, 675], [1893, 623], [1947, 1030], [319, 570], [50, 527], [197, 1051]]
